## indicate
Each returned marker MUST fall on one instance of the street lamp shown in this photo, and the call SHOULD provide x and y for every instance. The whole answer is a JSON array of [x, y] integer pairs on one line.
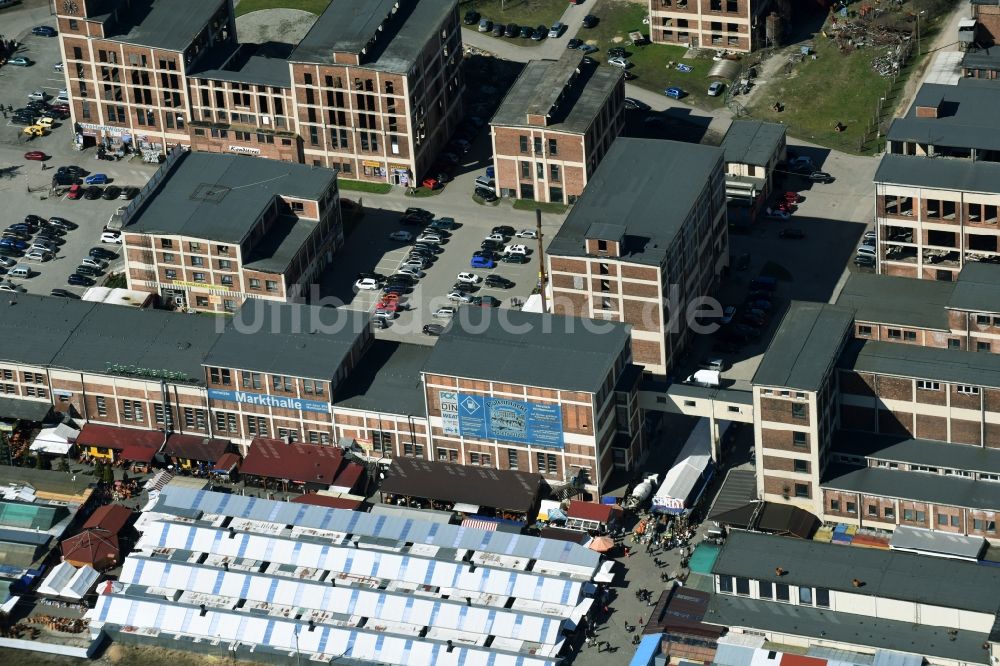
[[924, 11]]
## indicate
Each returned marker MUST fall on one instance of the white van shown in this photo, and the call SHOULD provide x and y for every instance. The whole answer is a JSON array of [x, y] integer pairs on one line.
[[20, 271]]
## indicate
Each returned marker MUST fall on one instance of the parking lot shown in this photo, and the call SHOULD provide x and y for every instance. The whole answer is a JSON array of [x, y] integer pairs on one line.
[[25, 185], [369, 249]]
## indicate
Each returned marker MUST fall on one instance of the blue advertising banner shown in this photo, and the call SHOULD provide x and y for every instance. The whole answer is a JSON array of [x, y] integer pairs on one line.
[[264, 400], [482, 417]]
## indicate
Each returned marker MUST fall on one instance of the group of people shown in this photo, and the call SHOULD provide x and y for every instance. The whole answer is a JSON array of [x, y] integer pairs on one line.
[[8, 47]]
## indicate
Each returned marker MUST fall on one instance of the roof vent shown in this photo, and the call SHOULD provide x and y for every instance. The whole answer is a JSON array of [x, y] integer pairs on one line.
[[857, 582], [778, 571], [183, 345]]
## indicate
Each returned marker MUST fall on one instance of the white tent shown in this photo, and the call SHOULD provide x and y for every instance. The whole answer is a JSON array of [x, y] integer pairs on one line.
[[57, 441], [69, 582]]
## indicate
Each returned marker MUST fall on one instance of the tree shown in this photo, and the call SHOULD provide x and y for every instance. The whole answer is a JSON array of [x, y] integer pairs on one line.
[[64, 464], [39, 462], [108, 474]]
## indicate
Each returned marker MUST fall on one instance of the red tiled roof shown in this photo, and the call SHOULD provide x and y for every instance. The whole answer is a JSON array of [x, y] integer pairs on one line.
[[801, 660], [227, 461], [110, 518], [349, 477], [118, 438], [138, 453], [302, 463], [94, 547], [328, 501], [602, 513], [195, 447]]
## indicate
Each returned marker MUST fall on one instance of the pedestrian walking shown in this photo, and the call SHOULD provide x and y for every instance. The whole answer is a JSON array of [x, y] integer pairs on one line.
[[627, 551]]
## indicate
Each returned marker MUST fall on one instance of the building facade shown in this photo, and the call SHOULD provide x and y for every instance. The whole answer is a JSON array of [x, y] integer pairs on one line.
[[374, 91], [554, 127], [623, 255], [203, 239], [734, 25]]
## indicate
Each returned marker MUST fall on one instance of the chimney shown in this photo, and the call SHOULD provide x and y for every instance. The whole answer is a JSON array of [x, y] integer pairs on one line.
[[778, 571], [857, 582]]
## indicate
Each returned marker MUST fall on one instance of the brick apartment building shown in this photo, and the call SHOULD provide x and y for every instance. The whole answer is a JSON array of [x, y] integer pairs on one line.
[[937, 191], [735, 25], [982, 57], [218, 229], [554, 126], [647, 237], [374, 90], [884, 409]]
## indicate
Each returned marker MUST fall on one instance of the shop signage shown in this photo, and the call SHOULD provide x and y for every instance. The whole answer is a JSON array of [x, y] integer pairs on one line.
[[145, 373], [244, 150], [483, 417], [199, 285], [449, 412], [369, 163], [107, 129], [264, 400]]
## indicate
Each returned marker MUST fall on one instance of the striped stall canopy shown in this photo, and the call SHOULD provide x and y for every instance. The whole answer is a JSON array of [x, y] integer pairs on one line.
[[480, 524]]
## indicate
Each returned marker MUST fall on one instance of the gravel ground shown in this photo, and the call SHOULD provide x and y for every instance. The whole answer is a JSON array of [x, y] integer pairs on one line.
[[287, 26]]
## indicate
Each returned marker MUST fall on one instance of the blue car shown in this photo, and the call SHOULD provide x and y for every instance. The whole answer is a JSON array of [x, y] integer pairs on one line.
[[675, 93], [44, 31], [96, 179], [482, 262], [13, 243]]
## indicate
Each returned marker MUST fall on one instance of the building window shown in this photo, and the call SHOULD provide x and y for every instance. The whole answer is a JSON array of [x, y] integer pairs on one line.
[[199, 277], [955, 520], [921, 516], [166, 243], [132, 410], [926, 385], [102, 406], [834, 505], [511, 459], [281, 383], [800, 466], [554, 173], [983, 320], [766, 589], [257, 425], [225, 265], [852, 507], [743, 586], [894, 334], [781, 592], [271, 285], [907, 514], [553, 147], [251, 380], [822, 597], [982, 346], [984, 525], [254, 283], [726, 584], [220, 376], [799, 439], [802, 490], [798, 411], [170, 273], [159, 412], [805, 596], [889, 513], [865, 331], [227, 280], [288, 434], [954, 343], [197, 261], [967, 390], [909, 336], [547, 463], [525, 169], [194, 247]]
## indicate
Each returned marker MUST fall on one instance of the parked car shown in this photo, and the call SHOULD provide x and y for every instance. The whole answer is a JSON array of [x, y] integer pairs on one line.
[[412, 271], [89, 271], [489, 196], [540, 33], [62, 223], [632, 103], [112, 237], [512, 30], [431, 183], [469, 278], [485, 301], [621, 63], [715, 88], [499, 29], [821, 177], [485, 182], [78, 280], [21, 61], [792, 234], [36, 156], [14, 244], [516, 249], [527, 233], [574, 43], [675, 93], [93, 192], [63, 293], [515, 258], [498, 282], [482, 262], [102, 253], [37, 255], [557, 29], [485, 25], [94, 263], [590, 21], [433, 329], [617, 52], [44, 31], [864, 260], [445, 312], [446, 223], [6, 285], [129, 193], [431, 237], [75, 192], [404, 236], [471, 17], [111, 193], [459, 296], [525, 32], [96, 179], [587, 48]]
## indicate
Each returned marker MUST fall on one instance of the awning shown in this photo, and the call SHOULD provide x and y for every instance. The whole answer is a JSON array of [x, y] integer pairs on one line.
[[58, 440], [479, 524], [462, 507], [226, 463], [24, 410], [579, 612], [138, 454]]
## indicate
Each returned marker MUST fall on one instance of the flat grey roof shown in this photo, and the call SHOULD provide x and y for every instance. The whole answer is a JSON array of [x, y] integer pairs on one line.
[[982, 59], [977, 288], [348, 26], [386, 379], [258, 70], [160, 24], [219, 197], [896, 300], [571, 94], [901, 360], [542, 350], [915, 486], [275, 251], [912, 450], [738, 490], [934, 541], [885, 574], [966, 117], [648, 186], [852, 629], [939, 173], [752, 141], [88, 337], [288, 339], [805, 345], [24, 409]]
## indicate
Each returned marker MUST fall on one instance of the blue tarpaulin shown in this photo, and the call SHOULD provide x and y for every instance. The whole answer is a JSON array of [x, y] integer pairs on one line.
[[648, 648]]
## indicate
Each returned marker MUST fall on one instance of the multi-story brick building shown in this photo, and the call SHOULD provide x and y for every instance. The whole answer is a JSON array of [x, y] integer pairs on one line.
[[554, 126], [982, 57], [900, 414], [648, 236], [934, 216], [373, 89], [735, 25], [218, 229], [753, 150]]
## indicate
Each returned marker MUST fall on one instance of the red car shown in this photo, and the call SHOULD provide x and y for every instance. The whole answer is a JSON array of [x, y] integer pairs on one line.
[[793, 197], [75, 192], [36, 155], [431, 183], [388, 306], [786, 206]]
